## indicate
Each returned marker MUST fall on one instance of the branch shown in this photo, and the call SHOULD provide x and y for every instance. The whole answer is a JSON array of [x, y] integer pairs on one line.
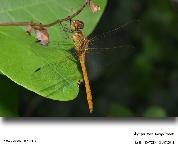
[[47, 25], [69, 17]]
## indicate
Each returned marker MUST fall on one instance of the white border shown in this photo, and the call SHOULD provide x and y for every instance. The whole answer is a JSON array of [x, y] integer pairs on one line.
[[83, 134]]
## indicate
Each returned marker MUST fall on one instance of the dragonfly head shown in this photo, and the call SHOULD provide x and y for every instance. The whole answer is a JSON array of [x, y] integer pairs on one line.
[[77, 25]]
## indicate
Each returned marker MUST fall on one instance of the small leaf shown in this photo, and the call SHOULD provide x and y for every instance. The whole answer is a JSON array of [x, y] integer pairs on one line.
[[94, 7], [155, 111], [117, 110], [42, 36]]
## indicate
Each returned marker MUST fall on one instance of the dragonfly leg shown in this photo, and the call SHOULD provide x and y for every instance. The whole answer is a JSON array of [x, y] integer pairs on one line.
[[66, 30], [79, 82]]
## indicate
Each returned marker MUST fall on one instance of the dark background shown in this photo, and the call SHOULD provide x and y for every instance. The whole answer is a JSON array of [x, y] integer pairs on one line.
[[140, 79]]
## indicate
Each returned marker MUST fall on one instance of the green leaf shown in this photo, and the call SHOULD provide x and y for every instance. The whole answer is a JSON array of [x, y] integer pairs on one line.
[[155, 111], [8, 98], [50, 70], [117, 110]]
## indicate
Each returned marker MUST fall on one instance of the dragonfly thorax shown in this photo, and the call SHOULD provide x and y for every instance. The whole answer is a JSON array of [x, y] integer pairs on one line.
[[80, 42]]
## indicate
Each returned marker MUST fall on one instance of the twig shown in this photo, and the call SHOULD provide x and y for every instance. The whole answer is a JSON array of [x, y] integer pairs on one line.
[[46, 25], [69, 17]]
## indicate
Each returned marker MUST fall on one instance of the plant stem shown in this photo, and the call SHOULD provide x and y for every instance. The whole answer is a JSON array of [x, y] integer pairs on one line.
[[46, 25]]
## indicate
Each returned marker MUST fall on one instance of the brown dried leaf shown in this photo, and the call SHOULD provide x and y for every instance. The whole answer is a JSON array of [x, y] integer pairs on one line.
[[42, 36], [94, 7]]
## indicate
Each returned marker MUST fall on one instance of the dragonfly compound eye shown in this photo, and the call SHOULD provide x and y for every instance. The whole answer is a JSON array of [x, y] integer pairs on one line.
[[77, 25]]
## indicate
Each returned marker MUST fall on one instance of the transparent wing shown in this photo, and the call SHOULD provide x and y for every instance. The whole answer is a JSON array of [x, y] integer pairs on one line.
[[118, 37], [113, 48]]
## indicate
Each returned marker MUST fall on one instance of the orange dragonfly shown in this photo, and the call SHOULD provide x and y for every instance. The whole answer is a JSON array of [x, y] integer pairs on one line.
[[82, 45]]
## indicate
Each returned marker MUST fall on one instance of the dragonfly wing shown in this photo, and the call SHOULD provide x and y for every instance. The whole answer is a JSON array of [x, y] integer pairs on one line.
[[119, 35]]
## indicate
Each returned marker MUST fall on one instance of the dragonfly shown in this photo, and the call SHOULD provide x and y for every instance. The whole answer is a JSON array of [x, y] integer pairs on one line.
[[82, 45]]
